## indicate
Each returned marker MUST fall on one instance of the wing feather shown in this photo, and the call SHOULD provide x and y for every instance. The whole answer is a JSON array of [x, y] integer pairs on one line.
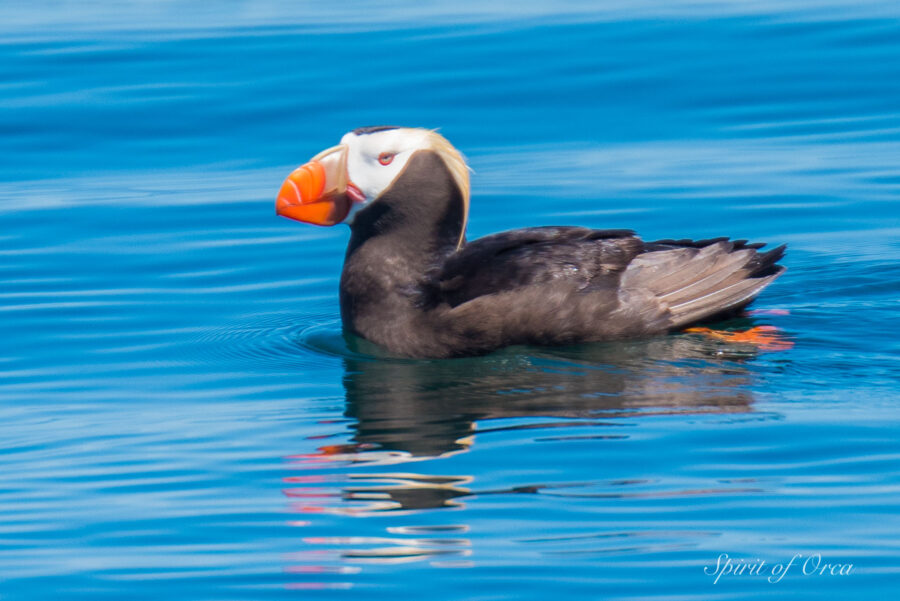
[[540, 255]]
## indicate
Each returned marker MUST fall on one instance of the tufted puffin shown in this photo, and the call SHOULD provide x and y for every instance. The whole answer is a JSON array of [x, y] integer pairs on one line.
[[413, 285]]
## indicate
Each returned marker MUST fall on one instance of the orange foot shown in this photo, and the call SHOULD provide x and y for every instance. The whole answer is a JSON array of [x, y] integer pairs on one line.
[[767, 338]]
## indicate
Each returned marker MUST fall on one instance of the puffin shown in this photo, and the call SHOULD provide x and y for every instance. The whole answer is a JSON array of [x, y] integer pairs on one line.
[[413, 285]]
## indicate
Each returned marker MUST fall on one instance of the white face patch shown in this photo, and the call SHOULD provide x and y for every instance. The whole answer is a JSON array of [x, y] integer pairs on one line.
[[374, 160]]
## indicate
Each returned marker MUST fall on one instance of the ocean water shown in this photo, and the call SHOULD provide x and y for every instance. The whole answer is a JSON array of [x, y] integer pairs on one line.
[[181, 416]]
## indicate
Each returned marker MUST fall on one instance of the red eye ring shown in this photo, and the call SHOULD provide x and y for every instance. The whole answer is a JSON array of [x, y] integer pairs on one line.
[[385, 158]]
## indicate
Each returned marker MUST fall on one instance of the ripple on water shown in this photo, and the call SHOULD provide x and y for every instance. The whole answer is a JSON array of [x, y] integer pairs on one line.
[[268, 341], [282, 341]]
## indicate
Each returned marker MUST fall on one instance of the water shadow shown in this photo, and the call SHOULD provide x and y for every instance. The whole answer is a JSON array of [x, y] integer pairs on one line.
[[431, 408], [406, 414]]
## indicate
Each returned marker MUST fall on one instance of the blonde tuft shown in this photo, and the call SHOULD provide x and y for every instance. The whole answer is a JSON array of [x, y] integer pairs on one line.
[[458, 169]]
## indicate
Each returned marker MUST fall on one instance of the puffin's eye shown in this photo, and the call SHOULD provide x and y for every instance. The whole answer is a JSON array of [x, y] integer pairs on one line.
[[385, 158]]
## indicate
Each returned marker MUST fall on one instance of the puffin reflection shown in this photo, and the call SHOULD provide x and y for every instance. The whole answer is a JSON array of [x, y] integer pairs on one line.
[[405, 413], [431, 408]]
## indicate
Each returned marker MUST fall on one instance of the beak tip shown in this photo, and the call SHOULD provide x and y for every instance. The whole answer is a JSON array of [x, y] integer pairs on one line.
[[280, 203], [303, 197]]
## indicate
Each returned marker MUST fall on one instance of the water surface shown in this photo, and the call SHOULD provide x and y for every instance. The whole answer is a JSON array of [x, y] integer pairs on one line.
[[182, 417]]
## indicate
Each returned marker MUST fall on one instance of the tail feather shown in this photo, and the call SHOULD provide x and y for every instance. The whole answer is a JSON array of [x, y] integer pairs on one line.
[[728, 269], [720, 301], [700, 265], [696, 280], [763, 264]]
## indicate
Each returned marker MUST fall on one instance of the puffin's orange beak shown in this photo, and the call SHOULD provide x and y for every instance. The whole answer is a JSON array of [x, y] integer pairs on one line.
[[317, 192]]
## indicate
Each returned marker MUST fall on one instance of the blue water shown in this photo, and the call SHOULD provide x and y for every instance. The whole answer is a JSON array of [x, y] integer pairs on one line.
[[181, 417]]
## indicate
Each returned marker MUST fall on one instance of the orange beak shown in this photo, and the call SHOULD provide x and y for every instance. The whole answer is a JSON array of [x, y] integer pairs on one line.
[[317, 192]]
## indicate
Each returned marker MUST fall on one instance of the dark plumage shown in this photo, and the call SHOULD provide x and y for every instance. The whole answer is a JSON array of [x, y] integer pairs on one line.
[[411, 286], [406, 287], [373, 129]]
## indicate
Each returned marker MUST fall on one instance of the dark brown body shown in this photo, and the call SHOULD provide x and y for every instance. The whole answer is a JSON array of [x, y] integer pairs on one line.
[[406, 287]]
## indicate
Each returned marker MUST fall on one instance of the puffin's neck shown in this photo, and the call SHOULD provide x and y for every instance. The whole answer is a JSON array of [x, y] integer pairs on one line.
[[411, 228]]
